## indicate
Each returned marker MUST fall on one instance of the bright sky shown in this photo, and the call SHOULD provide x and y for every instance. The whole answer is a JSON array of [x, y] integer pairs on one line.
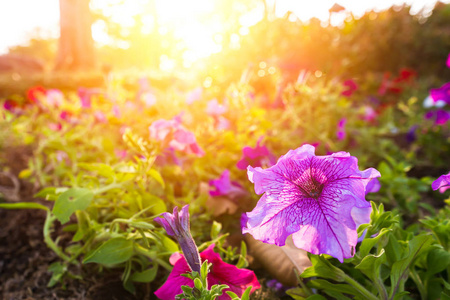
[[19, 19]]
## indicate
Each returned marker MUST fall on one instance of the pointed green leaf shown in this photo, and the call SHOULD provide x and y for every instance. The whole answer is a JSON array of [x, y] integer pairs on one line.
[[71, 201], [145, 276], [114, 251]]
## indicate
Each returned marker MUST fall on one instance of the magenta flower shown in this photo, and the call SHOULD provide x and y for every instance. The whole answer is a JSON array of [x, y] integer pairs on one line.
[[177, 225], [448, 60], [442, 183], [214, 108], [175, 136], [373, 186], [440, 116], [221, 273], [256, 157], [340, 133], [441, 94], [225, 187], [351, 87], [320, 200]]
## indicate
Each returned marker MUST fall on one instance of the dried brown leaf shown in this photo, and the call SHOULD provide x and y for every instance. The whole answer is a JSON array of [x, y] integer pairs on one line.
[[280, 262]]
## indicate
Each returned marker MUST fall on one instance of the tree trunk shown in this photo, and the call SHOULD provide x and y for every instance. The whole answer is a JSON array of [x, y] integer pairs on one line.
[[76, 46]]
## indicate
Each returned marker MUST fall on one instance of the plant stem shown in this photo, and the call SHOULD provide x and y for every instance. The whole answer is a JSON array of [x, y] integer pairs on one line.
[[363, 291], [48, 240]]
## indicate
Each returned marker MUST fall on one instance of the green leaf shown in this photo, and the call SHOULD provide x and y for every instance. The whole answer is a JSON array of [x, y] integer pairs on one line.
[[114, 251], [157, 176], [145, 276], [71, 201], [323, 268], [297, 293], [328, 286], [385, 170], [103, 170], [437, 261], [368, 243], [417, 246], [393, 250], [58, 270], [316, 297], [370, 265], [215, 230], [23, 205]]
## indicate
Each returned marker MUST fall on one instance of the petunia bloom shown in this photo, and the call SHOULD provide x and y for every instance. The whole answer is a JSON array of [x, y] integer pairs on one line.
[[34, 94], [256, 157], [319, 200], [225, 187], [351, 87], [177, 225], [442, 183], [214, 108], [440, 116], [441, 94], [221, 272], [175, 136], [340, 133], [448, 60], [373, 186]]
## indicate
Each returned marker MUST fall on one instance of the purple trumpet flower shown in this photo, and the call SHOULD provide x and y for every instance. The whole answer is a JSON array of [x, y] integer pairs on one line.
[[177, 225]]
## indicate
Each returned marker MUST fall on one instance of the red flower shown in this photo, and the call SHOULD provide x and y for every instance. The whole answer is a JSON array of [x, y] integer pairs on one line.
[[221, 273], [34, 93]]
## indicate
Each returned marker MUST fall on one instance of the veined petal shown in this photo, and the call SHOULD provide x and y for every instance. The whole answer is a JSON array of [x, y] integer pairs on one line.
[[318, 199]]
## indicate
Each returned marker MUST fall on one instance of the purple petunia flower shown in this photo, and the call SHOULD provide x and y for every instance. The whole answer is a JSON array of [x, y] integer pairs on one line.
[[256, 157], [221, 273], [373, 186], [340, 133], [177, 225], [225, 187], [411, 134], [439, 116], [319, 200], [442, 93], [448, 60], [442, 183]]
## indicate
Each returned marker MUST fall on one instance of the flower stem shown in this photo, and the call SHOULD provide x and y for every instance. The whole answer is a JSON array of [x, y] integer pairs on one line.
[[48, 240], [362, 290]]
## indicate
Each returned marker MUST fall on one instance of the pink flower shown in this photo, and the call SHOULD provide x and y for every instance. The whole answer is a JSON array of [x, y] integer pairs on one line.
[[256, 157], [215, 109], [149, 99], [442, 183], [221, 273], [121, 154], [351, 87], [175, 136], [448, 60], [55, 126], [319, 200], [100, 117], [340, 133], [55, 98], [225, 187], [369, 113], [194, 95]]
